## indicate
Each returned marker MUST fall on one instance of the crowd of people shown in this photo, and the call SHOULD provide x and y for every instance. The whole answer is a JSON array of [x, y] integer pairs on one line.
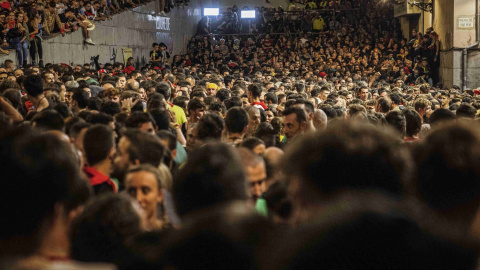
[[24, 23], [270, 153]]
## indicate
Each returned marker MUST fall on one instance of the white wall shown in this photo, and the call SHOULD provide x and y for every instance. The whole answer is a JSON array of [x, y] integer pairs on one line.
[[136, 29]]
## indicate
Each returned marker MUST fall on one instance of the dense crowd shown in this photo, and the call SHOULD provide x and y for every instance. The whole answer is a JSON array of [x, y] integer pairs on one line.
[[298, 160]]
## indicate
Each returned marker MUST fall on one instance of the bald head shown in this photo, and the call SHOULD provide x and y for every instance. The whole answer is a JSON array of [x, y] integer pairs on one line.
[[319, 119], [133, 85], [273, 155]]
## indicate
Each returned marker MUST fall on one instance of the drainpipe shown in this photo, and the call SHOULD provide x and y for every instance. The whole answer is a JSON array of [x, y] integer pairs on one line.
[[465, 50]]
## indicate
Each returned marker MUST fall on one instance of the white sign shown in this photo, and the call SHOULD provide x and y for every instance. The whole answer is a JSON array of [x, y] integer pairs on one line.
[[163, 23], [466, 22]]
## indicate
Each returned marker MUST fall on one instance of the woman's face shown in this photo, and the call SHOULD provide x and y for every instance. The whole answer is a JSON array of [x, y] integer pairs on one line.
[[143, 186]]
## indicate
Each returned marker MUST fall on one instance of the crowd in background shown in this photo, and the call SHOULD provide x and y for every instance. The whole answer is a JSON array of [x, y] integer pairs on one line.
[[321, 150]]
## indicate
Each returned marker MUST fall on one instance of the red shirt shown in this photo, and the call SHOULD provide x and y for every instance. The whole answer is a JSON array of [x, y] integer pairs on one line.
[[97, 178], [260, 105]]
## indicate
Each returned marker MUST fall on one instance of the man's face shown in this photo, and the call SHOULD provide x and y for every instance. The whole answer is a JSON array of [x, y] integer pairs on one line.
[[444, 100], [121, 163], [211, 92], [256, 179], [192, 141], [122, 81], [270, 116], [18, 73], [255, 118], [245, 102], [198, 113], [78, 69], [147, 127], [3, 77], [49, 78], [324, 95], [114, 98], [364, 94], [142, 94], [68, 98], [291, 127]]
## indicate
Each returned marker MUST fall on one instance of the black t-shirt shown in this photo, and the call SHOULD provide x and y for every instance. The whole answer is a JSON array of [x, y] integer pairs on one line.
[[156, 54]]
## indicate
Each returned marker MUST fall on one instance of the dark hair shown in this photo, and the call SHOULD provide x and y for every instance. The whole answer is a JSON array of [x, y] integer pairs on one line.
[[236, 120], [210, 127], [136, 119], [111, 108], [441, 115], [33, 85], [164, 89], [271, 97], [49, 120], [145, 147], [99, 118], [213, 175], [447, 176], [299, 113], [255, 89], [233, 102], [50, 173], [223, 94], [94, 104], [195, 104], [217, 107], [308, 105], [81, 97], [397, 120], [414, 122], [251, 143], [161, 119], [381, 164], [466, 110], [102, 231], [97, 143], [385, 104], [170, 137]]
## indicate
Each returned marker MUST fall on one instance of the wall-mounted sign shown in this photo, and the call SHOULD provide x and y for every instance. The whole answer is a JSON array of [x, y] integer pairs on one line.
[[465, 22]]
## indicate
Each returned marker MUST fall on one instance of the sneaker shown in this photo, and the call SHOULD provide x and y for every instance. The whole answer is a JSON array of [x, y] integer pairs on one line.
[[162, 13], [40, 63], [89, 41]]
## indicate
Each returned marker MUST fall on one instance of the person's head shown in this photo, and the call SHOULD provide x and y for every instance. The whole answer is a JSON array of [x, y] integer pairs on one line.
[[447, 176], [143, 183], [137, 147], [363, 93], [210, 127], [396, 120], [254, 91], [51, 187], [196, 109], [320, 119], [236, 120], [121, 82], [212, 175], [294, 122], [441, 115], [99, 144], [48, 120], [414, 122], [48, 77], [369, 157], [102, 231], [254, 116], [80, 99], [466, 111], [422, 106], [384, 104], [255, 172], [212, 89], [142, 121], [164, 89], [33, 85]]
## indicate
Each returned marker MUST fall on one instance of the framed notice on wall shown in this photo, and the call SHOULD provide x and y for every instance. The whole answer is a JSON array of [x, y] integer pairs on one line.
[[466, 22]]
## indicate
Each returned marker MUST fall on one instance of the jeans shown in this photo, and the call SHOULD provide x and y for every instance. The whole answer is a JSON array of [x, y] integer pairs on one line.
[[21, 48]]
